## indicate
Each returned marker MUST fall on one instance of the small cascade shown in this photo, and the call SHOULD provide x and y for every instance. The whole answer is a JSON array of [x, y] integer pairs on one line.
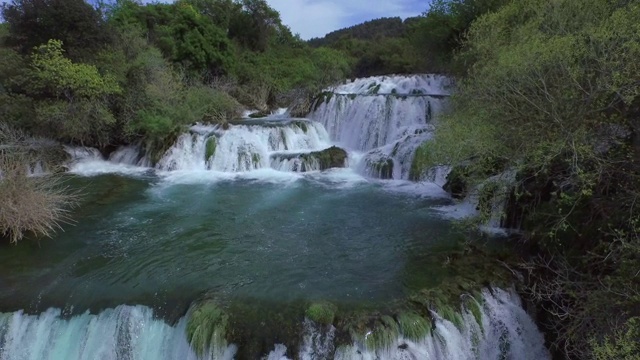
[[256, 145], [488, 200], [494, 327], [294, 162], [388, 117], [437, 175], [79, 153], [130, 155]]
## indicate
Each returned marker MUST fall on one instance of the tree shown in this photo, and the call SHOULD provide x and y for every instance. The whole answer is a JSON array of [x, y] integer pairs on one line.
[[73, 96], [74, 22], [553, 95]]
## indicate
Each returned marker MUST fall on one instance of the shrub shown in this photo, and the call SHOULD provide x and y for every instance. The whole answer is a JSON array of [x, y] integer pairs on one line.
[[28, 204]]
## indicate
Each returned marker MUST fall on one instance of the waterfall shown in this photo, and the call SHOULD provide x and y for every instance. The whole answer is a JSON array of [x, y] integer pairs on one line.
[[126, 332], [387, 117], [380, 121], [241, 148], [501, 329], [130, 155]]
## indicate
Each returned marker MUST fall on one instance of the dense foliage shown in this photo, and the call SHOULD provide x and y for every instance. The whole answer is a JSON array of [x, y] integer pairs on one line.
[[552, 95], [128, 73]]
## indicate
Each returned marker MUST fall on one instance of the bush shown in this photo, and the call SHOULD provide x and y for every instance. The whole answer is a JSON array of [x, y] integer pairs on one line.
[[28, 204]]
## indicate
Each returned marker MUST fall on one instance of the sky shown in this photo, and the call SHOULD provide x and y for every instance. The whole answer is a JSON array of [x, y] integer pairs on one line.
[[315, 18]]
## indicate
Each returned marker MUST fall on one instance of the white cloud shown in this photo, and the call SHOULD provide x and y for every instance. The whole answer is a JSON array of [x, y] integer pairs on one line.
[[315, 18]]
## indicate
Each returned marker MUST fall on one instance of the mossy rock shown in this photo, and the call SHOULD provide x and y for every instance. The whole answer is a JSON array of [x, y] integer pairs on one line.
[[383, 168], [381, 333], [207, 327], [413, 326], [373, 89], [474, 304], [321, 313], [458, 182], [302, 125], [260, 114], [333, 157], [211, 145]]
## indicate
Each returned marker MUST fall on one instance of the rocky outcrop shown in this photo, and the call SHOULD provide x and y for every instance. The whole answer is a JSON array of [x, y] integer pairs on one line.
[[333, 157]]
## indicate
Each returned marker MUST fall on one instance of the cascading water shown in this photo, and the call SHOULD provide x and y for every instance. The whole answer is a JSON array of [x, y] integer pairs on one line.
[[388, 117], [500, 329], [381, 121], [248, 147]]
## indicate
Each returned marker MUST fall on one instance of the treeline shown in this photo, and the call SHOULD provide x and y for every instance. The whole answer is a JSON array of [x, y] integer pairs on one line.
[[128, 72], [423, 44], [369, 30], [549, 97]]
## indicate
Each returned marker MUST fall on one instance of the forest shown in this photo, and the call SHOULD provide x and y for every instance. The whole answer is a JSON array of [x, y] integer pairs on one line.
[[547, 92]]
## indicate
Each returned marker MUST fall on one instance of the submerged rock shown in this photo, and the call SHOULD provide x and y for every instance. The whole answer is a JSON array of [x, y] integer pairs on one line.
[[260, 114]]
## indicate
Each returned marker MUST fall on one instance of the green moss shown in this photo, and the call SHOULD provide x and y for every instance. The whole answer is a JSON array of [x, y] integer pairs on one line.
[[352, 96], [413, 326], [207, 327], [211, 145], [474, 305], [373, 89], [302, 125], [384, 168], [333, 157], [383, 334], [321, 313], [449, 313], [255, 159]]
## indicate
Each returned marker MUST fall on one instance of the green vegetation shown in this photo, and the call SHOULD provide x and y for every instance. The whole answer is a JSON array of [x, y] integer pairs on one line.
[[129, 72], [210, 148], [420, 44], [207, 327], [624, 345], [333, 157], [322, 313], [413, 326], [550, 92], [30, 205]]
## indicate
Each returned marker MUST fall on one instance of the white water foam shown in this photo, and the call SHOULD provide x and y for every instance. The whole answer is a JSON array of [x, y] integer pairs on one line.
[[242, 148], [389, 124], [426, 84], [87, 161], [126, 332], [505, 332]]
